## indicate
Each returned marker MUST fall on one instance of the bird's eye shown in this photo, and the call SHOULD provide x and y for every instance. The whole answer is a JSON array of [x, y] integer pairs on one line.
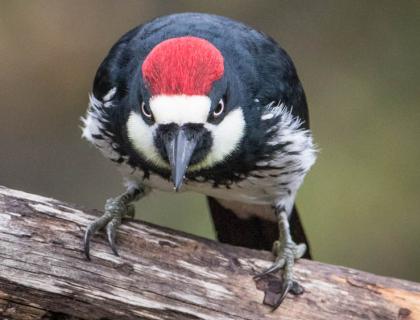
[[145, 109], [219, 108]]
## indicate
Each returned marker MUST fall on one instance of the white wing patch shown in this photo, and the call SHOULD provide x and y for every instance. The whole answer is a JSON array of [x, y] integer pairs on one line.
[[299, 148], [294, 159], [93, 125]]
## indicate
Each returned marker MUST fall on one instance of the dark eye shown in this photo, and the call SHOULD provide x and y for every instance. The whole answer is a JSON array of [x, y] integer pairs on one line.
[[219, 108], [145, 109]]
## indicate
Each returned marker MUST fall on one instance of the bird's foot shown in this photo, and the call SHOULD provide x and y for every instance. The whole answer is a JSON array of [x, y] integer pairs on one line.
[[115, 210], [286, 254]]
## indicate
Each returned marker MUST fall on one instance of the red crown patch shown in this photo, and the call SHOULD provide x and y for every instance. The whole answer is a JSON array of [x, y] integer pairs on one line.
[[185, 65]]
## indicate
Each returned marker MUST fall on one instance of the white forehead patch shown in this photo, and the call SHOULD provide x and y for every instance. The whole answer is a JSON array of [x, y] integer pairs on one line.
[[180, 109]]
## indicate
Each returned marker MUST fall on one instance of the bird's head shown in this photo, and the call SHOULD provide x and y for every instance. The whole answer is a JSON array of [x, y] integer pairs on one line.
[[183, 119]]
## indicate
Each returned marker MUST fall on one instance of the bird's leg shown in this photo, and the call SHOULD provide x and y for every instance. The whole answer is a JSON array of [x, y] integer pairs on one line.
[[115, 210], [286, 251]]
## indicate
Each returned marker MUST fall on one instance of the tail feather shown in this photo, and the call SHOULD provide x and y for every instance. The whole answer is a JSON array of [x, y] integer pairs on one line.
[[254, 233]]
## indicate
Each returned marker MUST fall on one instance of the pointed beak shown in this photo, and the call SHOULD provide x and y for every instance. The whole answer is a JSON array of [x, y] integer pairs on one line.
[[179, 150]]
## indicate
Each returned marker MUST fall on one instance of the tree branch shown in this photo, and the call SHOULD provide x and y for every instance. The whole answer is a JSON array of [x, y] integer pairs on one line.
[[164, 274]]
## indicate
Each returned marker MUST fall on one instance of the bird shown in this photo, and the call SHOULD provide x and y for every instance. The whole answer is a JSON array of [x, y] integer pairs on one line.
[[204, 103]]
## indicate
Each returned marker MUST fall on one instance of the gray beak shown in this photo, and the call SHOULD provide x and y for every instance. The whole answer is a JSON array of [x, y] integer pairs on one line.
[[179, 150]]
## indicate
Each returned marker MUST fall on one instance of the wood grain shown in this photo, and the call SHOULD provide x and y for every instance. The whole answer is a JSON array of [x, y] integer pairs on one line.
[[164, 274]]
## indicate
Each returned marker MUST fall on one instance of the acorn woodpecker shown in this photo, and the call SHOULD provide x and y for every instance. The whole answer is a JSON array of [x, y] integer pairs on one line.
[[199, 102]]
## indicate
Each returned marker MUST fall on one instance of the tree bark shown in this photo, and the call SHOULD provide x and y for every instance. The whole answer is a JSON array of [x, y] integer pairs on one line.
[[165, 274]]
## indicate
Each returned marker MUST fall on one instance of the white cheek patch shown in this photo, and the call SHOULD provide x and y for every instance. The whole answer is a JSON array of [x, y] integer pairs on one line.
[[141, 136], [180, 109], [226, 138]]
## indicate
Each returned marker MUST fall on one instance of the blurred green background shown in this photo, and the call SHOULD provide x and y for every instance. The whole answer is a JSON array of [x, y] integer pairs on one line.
[[359, 62]]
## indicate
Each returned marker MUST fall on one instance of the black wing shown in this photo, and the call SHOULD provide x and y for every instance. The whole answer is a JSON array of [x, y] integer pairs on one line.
[[254, 233]]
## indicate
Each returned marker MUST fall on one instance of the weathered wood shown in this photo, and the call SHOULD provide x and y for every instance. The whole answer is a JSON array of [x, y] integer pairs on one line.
[[163, 274]]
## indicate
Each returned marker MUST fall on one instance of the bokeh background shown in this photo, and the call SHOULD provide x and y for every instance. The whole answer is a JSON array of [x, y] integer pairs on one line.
[[359, 62]]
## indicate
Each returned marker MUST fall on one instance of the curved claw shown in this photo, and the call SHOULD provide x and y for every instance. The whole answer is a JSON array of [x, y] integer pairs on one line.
[[86, 242], [286, 256], [287, 286], [115, 209], [111, 231], [91, 230]]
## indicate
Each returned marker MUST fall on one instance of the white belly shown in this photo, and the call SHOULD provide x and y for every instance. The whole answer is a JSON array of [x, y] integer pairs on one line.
[[251, 190]]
